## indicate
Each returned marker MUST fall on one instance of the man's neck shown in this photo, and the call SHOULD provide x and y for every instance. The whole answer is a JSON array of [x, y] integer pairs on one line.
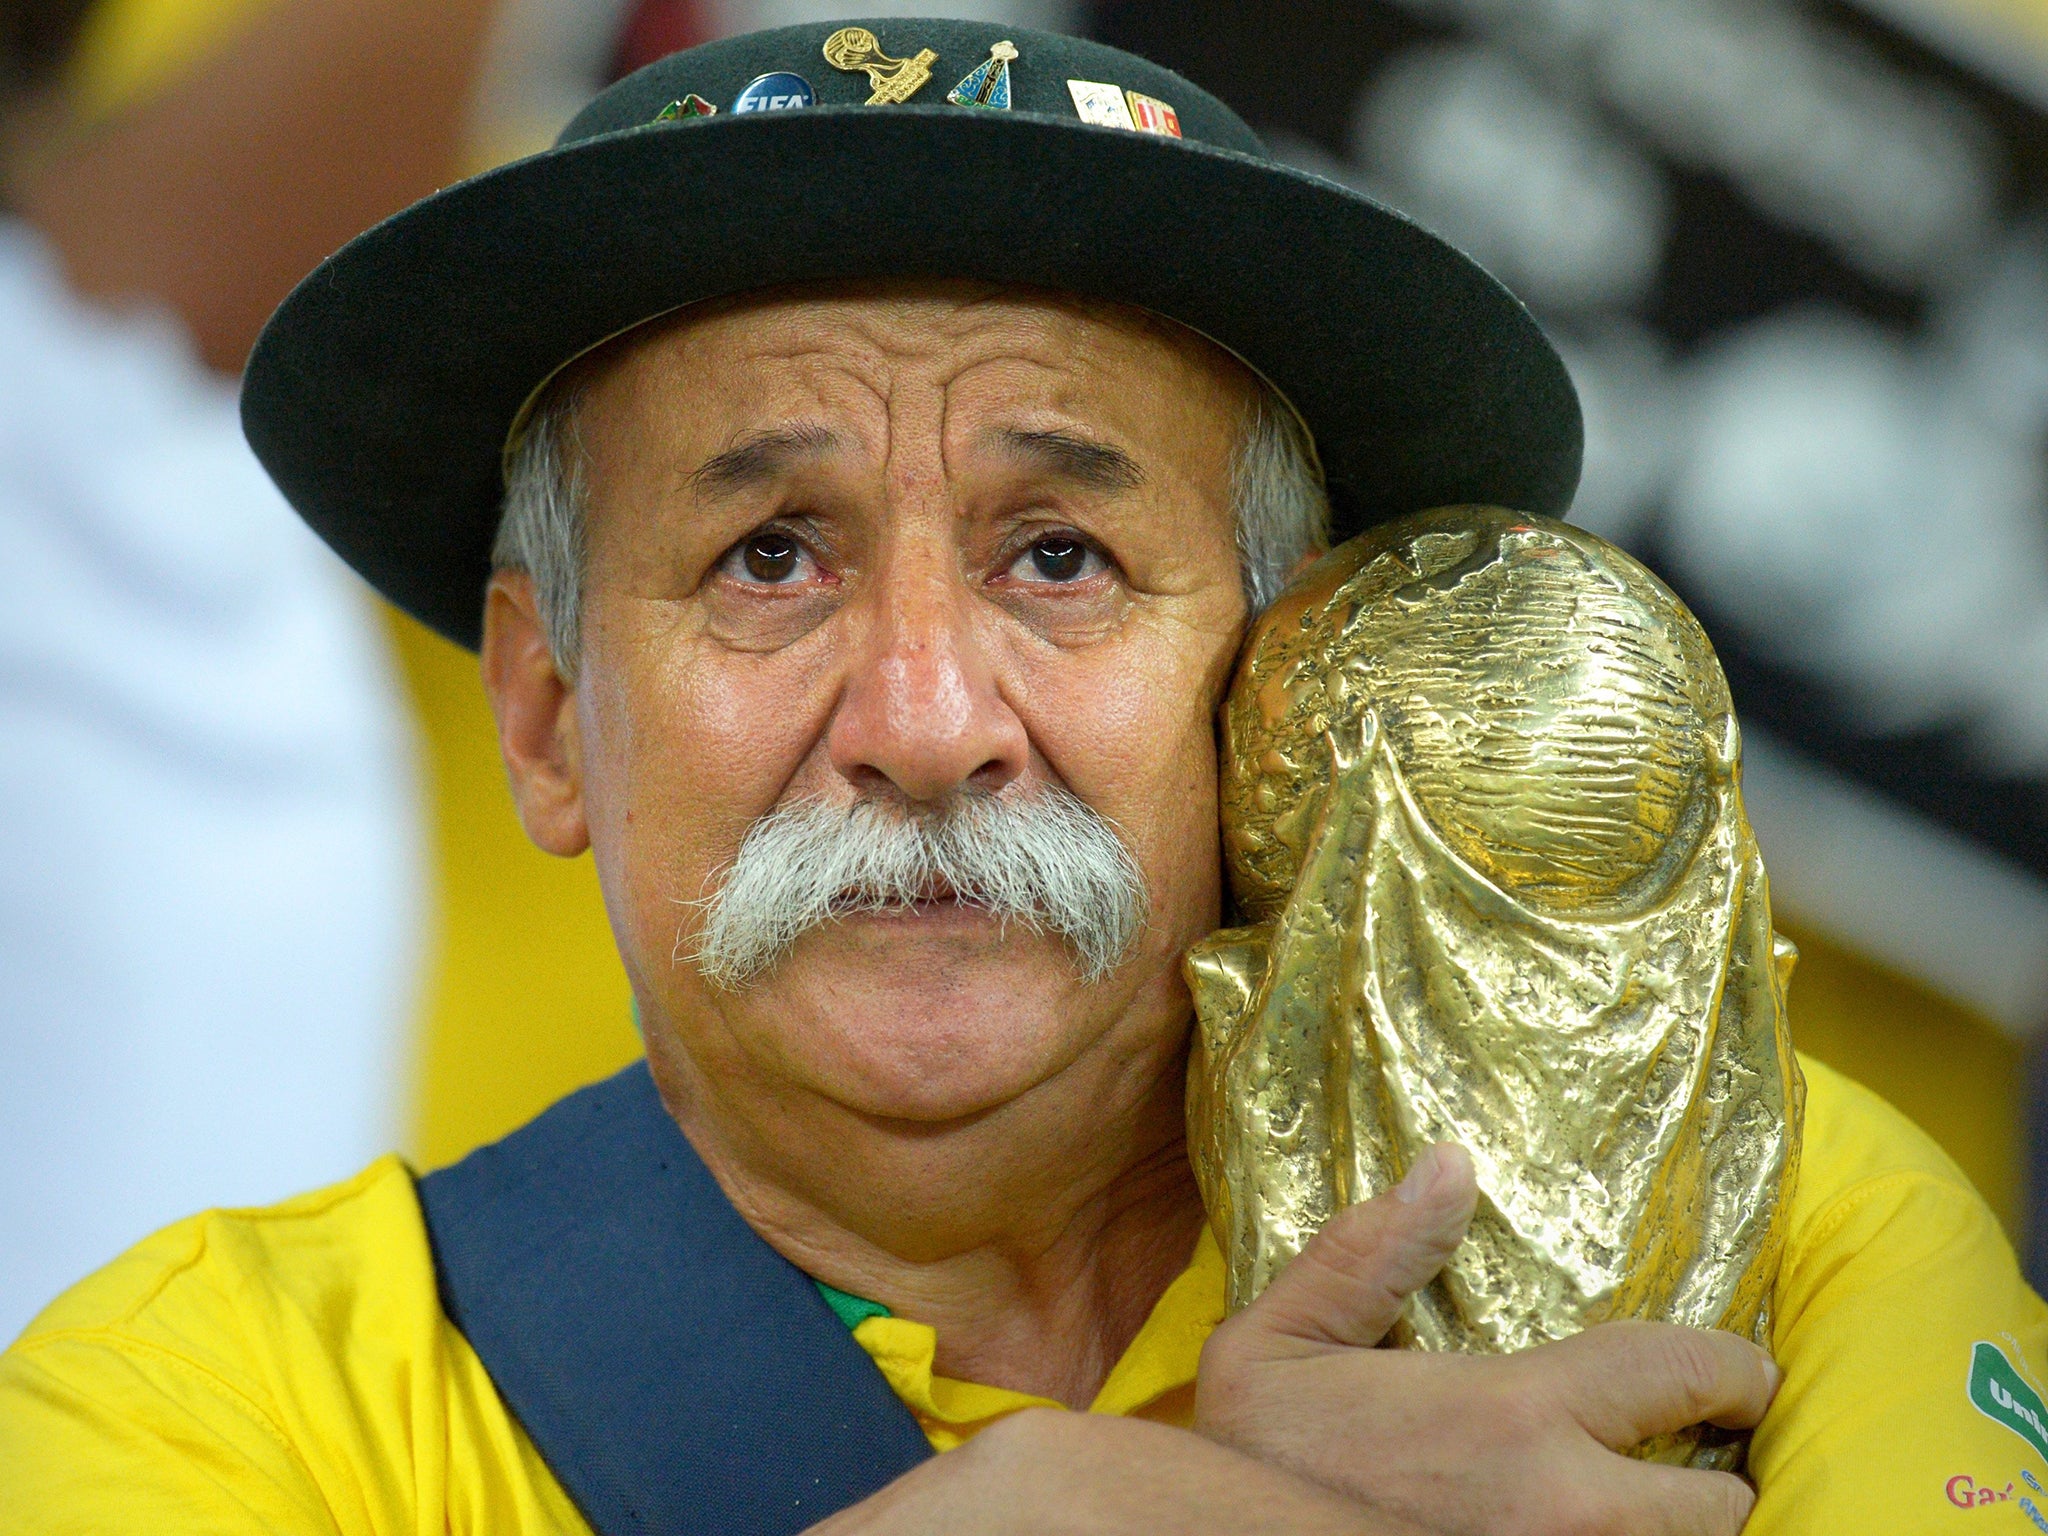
[[1034, 1239], [1053, 1320]]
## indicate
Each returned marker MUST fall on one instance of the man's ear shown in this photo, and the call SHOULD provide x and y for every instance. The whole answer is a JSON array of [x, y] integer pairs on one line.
[[538, 734]]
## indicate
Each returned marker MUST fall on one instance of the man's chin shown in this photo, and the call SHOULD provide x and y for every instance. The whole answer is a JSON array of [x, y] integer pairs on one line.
[[945, 944], [932, 1015]]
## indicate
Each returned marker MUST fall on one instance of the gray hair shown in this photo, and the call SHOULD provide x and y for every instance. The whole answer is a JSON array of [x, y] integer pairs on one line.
[[1282, 510]]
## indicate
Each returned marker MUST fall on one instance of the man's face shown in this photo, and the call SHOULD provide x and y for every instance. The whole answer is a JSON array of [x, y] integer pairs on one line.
[[900, 545]]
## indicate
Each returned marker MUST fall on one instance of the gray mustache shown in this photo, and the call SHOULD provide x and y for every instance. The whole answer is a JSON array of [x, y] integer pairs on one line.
[[1044, 859]]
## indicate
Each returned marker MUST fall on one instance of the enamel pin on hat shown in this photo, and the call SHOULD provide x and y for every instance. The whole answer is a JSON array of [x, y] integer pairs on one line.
[[1100, 104], [1151, 115], [777, 92], [1111, 106], [691, 105], [988, 83], [858, 51]]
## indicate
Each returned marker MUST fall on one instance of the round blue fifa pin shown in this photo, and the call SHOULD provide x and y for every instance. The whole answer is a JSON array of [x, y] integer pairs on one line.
[[775, 93]]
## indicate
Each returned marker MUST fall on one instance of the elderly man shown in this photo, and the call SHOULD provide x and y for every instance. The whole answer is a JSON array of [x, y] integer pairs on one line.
[[887, 475]]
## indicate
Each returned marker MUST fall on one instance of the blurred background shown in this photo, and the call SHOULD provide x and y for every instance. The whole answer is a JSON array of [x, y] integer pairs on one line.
[[265, 910]]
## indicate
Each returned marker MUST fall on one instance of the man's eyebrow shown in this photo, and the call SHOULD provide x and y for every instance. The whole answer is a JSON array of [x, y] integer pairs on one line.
[[761, 456], [1098, 466]]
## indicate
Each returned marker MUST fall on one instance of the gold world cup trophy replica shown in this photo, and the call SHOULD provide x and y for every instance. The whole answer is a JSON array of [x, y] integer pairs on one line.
[[1482, 814]]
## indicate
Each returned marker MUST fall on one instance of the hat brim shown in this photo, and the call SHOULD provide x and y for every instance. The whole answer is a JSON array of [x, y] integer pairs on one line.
[[381, 393]]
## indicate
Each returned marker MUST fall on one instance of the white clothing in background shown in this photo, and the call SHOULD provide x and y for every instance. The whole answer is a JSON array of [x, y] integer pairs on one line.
[[209, 886]]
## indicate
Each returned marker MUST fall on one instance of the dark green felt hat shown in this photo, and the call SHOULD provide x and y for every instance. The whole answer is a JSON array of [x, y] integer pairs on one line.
[[381, 393]]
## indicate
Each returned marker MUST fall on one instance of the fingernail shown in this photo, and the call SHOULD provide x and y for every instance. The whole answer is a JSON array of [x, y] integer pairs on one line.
[[1421, 1175], [1772, 1375]]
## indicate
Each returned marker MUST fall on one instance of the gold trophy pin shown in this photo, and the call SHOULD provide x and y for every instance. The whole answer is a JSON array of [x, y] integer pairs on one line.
[[856, 50]]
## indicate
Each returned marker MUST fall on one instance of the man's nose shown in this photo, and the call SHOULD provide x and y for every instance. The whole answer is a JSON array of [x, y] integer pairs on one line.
[[921, 707]]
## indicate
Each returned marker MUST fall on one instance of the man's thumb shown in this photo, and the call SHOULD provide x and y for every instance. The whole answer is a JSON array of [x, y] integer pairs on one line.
[[1347, 1286]]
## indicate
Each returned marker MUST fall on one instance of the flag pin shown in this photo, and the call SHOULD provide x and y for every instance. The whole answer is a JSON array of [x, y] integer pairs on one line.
[[1151, 115], [691, 105]]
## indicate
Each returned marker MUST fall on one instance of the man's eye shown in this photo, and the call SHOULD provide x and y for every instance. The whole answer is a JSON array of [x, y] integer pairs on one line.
[[769, 559], [1057, 557]]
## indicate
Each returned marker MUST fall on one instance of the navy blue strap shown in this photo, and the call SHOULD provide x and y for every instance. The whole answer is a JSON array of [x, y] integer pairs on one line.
[[677, 1373]]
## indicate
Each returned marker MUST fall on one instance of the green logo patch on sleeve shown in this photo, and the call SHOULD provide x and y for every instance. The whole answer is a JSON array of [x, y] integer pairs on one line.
[[1999, 1393]]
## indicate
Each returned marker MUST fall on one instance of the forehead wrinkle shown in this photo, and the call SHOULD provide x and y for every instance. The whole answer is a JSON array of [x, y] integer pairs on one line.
[[896, 351], [820, 405], [1042, 417], [866, 334], [812, 367]]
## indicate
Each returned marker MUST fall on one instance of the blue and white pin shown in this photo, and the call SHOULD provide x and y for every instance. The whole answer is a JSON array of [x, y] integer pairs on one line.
[[988, 83], [779, 92]]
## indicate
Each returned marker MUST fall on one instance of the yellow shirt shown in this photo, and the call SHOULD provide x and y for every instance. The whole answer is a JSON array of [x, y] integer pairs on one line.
[[289, 1370]]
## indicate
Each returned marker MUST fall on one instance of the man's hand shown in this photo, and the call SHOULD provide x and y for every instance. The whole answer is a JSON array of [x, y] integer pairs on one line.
[[1046, 1473], [1504, 1445]]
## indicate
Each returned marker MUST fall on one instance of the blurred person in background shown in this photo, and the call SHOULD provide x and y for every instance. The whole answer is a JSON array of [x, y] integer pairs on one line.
[[210, 894]]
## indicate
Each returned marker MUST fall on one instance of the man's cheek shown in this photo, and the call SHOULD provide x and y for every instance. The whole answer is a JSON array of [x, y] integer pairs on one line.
[[747, 726], [1180, 850], [1162, 777], [667, 811]]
